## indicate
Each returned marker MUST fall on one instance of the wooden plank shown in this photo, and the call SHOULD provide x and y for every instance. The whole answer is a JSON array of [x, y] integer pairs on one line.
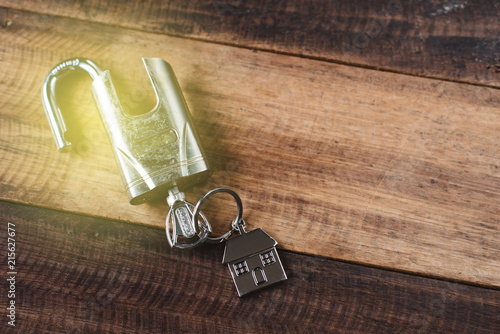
[[455, 41], [348, 163], [81, 274]]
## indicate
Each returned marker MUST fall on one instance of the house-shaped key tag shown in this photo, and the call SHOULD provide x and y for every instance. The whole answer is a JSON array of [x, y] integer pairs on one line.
[[253, 261]]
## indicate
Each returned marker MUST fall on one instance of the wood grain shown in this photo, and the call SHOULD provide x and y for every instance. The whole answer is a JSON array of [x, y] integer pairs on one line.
[[348, 163], [80, 274], [454, 40]]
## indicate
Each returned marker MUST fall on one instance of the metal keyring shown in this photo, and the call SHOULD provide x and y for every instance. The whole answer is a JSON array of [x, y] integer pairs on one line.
[[237, 224]]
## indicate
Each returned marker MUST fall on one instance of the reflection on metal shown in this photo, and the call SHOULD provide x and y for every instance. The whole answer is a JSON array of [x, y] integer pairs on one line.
[[155, 151], [181, 229]]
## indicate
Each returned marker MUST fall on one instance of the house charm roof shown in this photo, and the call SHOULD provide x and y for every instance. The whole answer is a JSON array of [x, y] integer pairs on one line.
[[244, 244], [253, 261]]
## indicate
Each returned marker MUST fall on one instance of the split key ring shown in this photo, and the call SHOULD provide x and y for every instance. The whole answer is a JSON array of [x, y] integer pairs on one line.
[[237, 225]]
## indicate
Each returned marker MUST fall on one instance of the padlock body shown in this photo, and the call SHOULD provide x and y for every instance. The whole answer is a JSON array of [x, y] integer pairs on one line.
[[156, 150]]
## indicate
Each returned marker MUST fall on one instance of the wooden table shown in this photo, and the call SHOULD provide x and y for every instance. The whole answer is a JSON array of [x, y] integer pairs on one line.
[[362, 136]]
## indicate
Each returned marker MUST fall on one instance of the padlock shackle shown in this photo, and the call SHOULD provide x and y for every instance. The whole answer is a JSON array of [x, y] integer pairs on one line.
[[52, 110]]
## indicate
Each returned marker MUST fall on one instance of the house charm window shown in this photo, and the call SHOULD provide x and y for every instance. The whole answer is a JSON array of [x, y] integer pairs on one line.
[[241, 268], [267, 258]]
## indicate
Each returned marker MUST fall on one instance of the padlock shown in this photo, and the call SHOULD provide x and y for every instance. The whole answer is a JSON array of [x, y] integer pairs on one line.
[[155, 151]]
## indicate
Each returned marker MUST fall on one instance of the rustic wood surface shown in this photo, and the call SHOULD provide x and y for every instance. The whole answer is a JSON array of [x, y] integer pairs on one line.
[[77, 285], [348, 163], [455, 40], [395, 175]]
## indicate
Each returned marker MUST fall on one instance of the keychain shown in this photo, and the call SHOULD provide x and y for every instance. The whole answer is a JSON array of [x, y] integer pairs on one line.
[[251, 256], [159, 153]]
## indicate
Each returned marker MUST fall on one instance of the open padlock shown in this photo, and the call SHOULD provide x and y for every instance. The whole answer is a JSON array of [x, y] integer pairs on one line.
[[157, 152]]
